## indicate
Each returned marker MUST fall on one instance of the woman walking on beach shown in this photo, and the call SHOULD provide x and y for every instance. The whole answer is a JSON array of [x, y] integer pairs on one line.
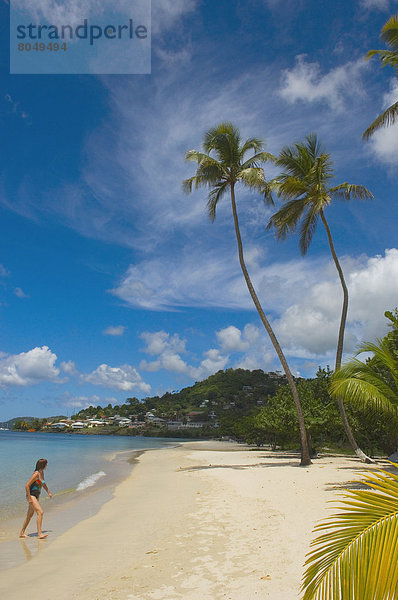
[[33, 489]]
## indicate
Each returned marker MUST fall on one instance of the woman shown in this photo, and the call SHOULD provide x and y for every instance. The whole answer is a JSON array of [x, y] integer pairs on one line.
[[33, 489]]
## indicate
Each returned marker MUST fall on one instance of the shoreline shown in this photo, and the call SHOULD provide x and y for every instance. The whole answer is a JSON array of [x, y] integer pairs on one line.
[[65, 510], [201, 521]]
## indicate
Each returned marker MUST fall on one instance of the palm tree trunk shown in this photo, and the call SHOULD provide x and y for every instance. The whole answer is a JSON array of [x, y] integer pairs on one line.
[[305, 452], [340, 342]]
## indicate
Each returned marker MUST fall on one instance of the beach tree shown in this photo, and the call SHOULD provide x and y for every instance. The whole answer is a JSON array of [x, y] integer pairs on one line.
[[372, 383], [388, 57], [304, 187], [222, 165]]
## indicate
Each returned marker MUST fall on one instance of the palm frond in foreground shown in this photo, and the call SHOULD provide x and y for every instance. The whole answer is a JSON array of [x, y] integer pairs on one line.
[[355, 557]]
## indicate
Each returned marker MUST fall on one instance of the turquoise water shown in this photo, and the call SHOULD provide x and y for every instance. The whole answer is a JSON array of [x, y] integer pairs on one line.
[[75, 462]]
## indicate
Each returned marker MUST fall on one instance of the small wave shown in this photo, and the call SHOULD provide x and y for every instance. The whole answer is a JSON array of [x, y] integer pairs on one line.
[[90, 480]]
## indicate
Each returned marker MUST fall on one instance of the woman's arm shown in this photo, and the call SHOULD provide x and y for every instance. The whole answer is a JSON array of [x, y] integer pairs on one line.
[[47, 490], [27, 486]]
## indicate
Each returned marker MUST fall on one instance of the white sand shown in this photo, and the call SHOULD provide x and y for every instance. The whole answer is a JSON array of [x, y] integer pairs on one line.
[[205, 521]]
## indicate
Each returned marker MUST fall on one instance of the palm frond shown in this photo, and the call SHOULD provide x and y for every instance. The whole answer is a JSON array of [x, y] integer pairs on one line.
[[257, 159], [387, 118], [389, 33], [253, 178], [308, 227], [214, 197], [254, 144], [346, 191], [285, 220], [356, 558]]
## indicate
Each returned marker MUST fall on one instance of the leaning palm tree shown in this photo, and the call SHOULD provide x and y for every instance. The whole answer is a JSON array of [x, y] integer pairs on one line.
[[304, 186], [389, 35], [221, 166]]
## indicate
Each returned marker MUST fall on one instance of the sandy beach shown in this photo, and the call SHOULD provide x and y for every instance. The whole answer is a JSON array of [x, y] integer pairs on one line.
[[203, 521]]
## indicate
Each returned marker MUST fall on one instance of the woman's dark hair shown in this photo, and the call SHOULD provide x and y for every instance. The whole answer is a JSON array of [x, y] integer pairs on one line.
[[41, 463]]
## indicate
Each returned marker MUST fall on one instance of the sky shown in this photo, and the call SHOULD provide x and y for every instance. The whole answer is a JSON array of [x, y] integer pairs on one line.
[[113, 283]]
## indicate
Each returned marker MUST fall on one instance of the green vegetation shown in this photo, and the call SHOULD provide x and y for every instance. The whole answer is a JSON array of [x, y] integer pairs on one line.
[[221, 167], [389, 35]]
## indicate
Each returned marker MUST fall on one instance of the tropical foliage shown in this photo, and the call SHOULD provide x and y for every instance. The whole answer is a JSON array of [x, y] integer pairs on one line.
[[220, 167], [354, 558], [389, 35], [372, 383]]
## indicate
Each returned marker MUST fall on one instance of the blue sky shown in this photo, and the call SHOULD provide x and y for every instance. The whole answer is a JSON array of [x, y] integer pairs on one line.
[[112, 282]]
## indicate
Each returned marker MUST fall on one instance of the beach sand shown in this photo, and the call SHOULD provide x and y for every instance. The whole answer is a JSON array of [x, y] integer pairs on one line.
[[203, 521]]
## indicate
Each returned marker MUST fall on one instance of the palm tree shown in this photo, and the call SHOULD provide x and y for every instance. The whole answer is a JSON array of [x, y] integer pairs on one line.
[[389, 35], [221, 166], [304, 188], [356, 558], [373, 383]]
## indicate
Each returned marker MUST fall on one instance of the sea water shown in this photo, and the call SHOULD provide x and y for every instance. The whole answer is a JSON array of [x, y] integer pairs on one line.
[[76, 463]]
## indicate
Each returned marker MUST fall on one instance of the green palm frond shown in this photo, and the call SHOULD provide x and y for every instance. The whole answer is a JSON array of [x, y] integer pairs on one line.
[[214, 197], [308, 227], [356, 558], [346, 191], [285, 220], [371, 384], [259, 157], [389, 33], [254, 144], [387, 118]]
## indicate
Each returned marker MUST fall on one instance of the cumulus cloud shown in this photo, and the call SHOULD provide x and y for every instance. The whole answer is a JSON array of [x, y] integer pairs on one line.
[[124, 378], [305, 82], [168, 349], [230, 339], [384, 142], [309, 327], [29, 368], [68, 367], [160, 341], [114, 330]]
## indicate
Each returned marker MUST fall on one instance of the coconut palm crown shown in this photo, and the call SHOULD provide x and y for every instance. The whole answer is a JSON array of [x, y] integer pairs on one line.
[[227, 165], [220, 166], [304, 186], [389, 35]]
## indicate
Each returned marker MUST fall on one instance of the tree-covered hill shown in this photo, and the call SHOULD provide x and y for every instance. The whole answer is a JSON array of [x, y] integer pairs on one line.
[[235, 390]]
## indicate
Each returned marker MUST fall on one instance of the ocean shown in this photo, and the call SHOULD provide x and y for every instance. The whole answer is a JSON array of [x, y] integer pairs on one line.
[[77, 464]]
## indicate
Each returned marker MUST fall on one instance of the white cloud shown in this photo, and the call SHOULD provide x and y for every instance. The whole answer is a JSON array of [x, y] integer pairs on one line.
[[79, 402], [20, 293], [160, 341], [168, 347], [124, 378], [305, 82], [114, 330], [309, 327], [68, 367], [3, 271], [29, 368], [230, 339], [384, 142]]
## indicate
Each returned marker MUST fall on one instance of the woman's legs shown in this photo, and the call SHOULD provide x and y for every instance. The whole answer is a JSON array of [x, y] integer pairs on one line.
[[29, 515], [39, 513]]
